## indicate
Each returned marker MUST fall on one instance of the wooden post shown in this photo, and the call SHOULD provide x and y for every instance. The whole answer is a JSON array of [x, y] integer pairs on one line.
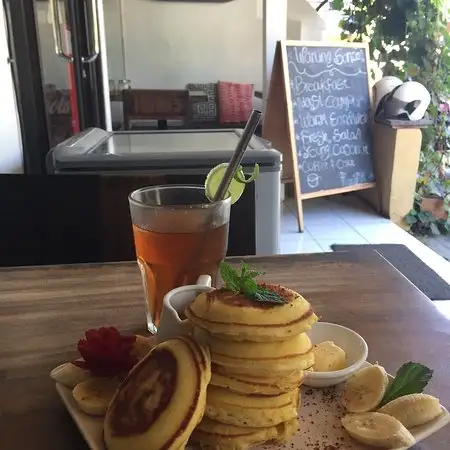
[[396, 161]]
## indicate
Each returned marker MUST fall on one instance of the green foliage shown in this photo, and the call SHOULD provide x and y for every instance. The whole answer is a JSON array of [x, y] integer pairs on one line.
[[411, 378], [409, 39]]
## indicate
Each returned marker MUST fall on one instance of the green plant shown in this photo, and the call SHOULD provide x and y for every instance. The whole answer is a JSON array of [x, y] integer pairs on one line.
[[424, 222], [409, 39]]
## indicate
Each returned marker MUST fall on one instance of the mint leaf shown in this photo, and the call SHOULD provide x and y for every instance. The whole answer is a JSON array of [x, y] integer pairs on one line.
[[248, 273], [254, 273], [248, 287], [267, 296], [411, 378], [243, 281], [230, 277], [244, 270]]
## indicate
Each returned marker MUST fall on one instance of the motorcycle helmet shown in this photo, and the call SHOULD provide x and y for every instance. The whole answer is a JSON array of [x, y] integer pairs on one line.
[[383, 87], [408, 101]]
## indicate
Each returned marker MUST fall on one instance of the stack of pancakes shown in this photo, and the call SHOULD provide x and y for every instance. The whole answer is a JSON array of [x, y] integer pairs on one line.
[[259, 352]]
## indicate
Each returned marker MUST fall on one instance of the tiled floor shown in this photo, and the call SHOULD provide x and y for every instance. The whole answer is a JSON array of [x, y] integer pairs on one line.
[[440, 244], [346, 220]]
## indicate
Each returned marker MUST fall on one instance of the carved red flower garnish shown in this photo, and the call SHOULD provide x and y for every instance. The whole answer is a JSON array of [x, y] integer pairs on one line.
[[106, 352]]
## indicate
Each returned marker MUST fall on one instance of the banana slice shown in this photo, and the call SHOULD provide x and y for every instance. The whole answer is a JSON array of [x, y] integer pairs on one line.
[[69, 375], [142, 346], [365, 390], [379, 430], [94, 396], [413, 410]]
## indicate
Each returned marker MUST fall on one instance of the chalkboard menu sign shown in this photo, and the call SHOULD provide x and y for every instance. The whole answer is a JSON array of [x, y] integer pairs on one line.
[[331, 116], [318, 116]]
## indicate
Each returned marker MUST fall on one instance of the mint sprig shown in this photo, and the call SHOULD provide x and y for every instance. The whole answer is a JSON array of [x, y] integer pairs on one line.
[[230, 277], [411, 378], [243, 282]]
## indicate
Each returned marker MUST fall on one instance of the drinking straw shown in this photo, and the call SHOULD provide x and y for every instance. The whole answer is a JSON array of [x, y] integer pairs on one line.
[[235, 161], [230, 172]]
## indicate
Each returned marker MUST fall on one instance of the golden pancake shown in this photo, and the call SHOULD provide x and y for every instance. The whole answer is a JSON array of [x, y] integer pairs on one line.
[[291, 347], [202, 355], [236, 317], [226, 406], [218, 436], [161, 400], [245, 384], [259, 359], [264, 367]]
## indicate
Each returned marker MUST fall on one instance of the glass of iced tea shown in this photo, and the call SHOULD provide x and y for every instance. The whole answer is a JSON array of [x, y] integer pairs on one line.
[[178, 234]]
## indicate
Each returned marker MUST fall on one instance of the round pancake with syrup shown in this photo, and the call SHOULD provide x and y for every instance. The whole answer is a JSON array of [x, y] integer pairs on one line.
[[162, 399], [215, 435], [236, 317], [250, 410], [246, 384], [259, 358]]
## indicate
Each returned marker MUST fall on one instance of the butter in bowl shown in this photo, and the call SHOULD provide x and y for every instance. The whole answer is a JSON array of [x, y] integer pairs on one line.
[[339, 353]]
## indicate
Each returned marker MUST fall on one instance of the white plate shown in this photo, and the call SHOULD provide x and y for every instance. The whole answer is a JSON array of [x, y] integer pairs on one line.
[[319, 415]]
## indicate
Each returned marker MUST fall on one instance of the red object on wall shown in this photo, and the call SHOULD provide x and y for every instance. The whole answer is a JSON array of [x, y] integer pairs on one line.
[[72, 88]]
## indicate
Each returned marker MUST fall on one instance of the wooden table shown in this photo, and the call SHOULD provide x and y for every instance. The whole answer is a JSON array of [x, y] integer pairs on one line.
[[44, 311]]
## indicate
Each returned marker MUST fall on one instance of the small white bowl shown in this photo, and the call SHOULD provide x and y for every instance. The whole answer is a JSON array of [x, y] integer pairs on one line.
[[351, 342]]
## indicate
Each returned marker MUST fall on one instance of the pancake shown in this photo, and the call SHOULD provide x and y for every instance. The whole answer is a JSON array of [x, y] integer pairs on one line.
[[162, 399], [202, 355], [264, 367], [246, 384], [294, 346], [260, 358], [226, 406], [235, 317], [218, 436]]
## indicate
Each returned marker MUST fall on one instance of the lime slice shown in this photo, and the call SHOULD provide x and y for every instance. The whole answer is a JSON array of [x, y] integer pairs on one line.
[[237, 184]]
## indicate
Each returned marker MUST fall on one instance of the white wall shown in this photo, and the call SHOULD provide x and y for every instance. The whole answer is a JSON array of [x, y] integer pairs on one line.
[[304, 23], [10, 141], [168, 44], [162, 44], [112, 10]]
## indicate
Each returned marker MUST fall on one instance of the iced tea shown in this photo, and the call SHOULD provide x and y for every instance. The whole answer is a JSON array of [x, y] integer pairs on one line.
[[178, 236]]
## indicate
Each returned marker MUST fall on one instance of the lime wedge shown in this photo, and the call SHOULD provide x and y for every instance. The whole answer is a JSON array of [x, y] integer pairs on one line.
[[237, 184]]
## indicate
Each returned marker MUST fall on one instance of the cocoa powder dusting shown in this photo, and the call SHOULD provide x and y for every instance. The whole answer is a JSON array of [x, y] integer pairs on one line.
[[237, 299], [285, 293]]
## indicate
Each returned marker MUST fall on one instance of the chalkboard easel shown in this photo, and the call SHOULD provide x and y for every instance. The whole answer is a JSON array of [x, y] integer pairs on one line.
[[318, 114]]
